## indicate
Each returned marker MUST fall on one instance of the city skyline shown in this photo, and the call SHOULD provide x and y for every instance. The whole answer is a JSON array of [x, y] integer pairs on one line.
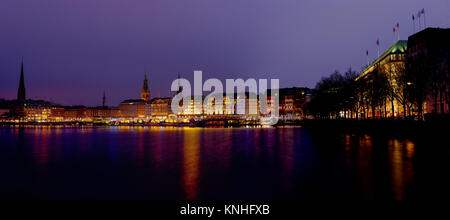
[[98, 52], [224, 108]]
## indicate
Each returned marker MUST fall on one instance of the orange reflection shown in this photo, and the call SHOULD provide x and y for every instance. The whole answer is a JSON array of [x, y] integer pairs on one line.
[[191, 160], [41, 151], [396, 161], [347, 143], [400, 155], [410, 149]]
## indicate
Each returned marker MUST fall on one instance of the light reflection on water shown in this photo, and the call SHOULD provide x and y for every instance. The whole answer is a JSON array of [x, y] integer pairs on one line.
[[197, 163], [400, 169], [191, 162]]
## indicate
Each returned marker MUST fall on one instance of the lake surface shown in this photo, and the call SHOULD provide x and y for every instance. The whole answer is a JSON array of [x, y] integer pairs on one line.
[[218, 163]]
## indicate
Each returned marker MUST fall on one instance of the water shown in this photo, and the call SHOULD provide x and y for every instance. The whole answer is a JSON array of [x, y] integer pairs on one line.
[[217, 163]]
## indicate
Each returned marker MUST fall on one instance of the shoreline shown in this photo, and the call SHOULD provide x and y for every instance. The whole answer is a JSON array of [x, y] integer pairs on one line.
[[386, 127]]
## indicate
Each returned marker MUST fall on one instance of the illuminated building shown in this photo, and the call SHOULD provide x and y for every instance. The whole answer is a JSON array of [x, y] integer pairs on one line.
[[57, 114], [211, 104], [428, 60], [250, 100], [194, 107], [37, 111], [103, 112], [76, 113], [250, 106], [389, 64], [270, 103], [292, 103], [134, 108], [229, 104], [161, 107]]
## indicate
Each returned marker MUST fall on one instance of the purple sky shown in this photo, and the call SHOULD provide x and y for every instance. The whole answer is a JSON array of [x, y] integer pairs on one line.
[[75, 49]]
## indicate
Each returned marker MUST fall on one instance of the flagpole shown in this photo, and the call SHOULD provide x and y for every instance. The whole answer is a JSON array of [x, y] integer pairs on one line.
[[378, 44], [398, 29], [418, 15], [424, 18], [394, 35], [367, 55]]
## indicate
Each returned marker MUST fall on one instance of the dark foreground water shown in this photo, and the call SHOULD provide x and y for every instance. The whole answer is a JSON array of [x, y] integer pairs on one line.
[[218, 163]]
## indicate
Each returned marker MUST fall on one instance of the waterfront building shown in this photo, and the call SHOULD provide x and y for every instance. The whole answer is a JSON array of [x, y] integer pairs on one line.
[[31, 110], [427, 62], [292, 103], [76, 113], [388, 66], [114, 112], [161, 107], [101, 112], [135, 108], [210, 108], [57, 114], [412, 77], [250, 107], [194, 107], [212, 105], [229, 104], [37, 111]]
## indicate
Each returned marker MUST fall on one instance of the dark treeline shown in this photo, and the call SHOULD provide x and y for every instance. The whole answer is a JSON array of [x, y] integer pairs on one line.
[[333, 94]]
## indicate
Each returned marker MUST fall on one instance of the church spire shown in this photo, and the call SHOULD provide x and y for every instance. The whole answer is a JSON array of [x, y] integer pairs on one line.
[[145, 94], [104, 99], [21, 94], [179, 86]]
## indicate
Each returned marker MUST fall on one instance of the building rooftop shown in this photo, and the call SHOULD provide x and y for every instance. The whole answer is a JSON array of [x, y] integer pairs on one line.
[[131, 101], [432, 33], [400, 46]]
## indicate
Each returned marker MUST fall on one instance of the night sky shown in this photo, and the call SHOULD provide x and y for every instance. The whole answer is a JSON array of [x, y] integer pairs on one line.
[[75, 49]]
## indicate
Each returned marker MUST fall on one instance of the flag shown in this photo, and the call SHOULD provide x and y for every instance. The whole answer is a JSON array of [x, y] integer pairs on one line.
[[398, 25], [378, 42], [367, 53], [393, 30], [413, 17], [423, 11]]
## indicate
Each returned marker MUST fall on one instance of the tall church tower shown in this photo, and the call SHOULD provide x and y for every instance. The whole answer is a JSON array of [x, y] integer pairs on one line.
[[145, 94], [21, 95], [179, 86], [104, 100]]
